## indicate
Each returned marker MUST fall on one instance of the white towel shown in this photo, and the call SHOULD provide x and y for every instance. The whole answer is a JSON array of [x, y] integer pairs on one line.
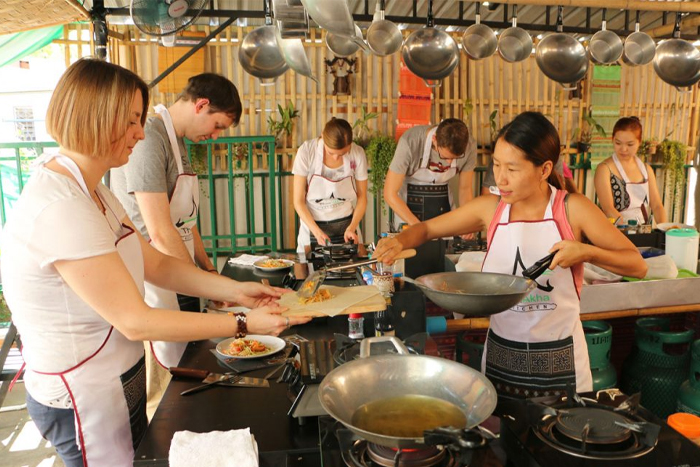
[[234, 448], [246, 260]]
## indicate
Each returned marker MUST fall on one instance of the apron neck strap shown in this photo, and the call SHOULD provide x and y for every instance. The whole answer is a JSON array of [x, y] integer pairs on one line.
[[172, 136], [67, 163]]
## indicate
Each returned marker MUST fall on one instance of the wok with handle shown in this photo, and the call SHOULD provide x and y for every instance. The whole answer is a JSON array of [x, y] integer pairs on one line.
[[374, 378]]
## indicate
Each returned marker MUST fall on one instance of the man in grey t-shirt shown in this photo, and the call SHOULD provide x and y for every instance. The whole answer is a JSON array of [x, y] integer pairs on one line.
[[426, 158]]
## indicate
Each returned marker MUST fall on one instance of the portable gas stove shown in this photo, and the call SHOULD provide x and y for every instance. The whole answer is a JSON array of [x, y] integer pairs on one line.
[[606, 428], [327, 256]]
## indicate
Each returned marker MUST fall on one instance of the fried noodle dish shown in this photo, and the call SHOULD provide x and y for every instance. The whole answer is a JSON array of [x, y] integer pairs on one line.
[[273, 263], [247, 348], [320, 296]]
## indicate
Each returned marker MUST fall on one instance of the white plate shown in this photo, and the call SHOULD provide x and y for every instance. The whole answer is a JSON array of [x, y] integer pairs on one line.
[[676, 225], [259, 265], [274, 343]]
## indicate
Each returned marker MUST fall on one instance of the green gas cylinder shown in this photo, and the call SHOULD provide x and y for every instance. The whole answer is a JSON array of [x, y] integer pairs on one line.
[[657, 365], [689, 393], [599, 339]]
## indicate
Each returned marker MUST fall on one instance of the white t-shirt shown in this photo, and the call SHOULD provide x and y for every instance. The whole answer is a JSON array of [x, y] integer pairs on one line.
[[55, 220], [305, 161]]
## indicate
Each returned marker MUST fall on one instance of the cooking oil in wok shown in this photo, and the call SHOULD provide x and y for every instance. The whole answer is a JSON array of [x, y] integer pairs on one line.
[[407, 416]]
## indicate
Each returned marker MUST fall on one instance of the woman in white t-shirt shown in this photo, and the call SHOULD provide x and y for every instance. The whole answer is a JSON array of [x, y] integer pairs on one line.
[[330, 187], [73, 275]]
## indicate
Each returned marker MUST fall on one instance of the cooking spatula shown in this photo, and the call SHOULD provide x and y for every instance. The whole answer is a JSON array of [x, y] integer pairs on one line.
[[310, 286]]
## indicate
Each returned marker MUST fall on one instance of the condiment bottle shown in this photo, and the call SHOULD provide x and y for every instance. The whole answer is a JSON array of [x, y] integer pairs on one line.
[[686, 424], [356, 326], [632, 226]]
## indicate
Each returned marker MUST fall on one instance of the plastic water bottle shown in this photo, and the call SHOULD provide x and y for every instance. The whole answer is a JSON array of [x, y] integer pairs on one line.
[[356, 326]]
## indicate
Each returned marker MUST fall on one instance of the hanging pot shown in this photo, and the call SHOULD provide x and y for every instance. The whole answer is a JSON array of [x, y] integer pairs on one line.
[[259, 54], [383, 37], [561, 57], [334, 16], [343, 46], [605, 47], [514, 44], [677, 62], [639, 47], [363, 385], [479, 41], [295, 56], [291, 19], [431, 54]]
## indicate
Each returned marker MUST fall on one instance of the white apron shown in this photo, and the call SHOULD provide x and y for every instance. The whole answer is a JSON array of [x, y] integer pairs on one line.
[[184, 206], [425, 176], [108, 389], [548, 314], [327, 200], [638, 192]]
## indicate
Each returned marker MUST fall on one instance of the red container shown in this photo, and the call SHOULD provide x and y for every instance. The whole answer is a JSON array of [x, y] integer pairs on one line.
[[401, 127], [415, 110], [412, 85]]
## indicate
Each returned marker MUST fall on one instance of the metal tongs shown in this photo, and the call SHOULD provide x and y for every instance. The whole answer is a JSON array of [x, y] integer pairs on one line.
[[536, 270], [312, 283]]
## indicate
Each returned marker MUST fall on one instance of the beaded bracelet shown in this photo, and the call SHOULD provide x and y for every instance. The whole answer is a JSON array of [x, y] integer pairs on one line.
[[242, 322]]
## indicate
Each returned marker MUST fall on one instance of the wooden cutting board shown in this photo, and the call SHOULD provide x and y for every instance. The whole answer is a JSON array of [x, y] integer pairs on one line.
[[346, 300]]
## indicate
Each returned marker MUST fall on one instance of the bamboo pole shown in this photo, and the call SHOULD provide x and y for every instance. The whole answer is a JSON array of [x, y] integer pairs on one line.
[[395, 76]]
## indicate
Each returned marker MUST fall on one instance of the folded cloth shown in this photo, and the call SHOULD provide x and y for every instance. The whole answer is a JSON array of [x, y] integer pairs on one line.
[[246, 259], [234, 448], [593, 274]]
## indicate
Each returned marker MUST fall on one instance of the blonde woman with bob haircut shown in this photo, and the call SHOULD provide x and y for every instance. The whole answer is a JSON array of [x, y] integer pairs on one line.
[[74, 268], [330, 187]]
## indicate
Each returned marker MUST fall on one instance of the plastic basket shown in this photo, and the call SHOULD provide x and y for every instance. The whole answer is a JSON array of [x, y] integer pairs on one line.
[[412, 85], [401, 127], [414, 110]]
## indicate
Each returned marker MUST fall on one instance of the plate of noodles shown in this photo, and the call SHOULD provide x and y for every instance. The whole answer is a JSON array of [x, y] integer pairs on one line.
[[272, 264], [250, 346]]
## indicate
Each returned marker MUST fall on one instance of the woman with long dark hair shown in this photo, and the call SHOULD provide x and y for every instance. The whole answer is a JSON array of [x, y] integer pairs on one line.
[[537, 347]]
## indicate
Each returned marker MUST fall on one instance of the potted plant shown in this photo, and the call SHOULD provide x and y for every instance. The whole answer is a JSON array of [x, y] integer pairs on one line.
[[646, 150], [361, 128], [674, 157], [282, 128], [584, 134], [198, 158], [380, 152]]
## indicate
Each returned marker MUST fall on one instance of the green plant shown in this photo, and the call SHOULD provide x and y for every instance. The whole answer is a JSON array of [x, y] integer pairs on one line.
[[198, 158], [380, 152], [646, 148], [285, 125], [5, 315], [467, 109], [584, 134], [361, 127], [493, 126], [674, 154]]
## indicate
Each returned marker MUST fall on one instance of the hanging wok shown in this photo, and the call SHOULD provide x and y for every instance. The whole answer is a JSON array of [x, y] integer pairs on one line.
[[348, 389]]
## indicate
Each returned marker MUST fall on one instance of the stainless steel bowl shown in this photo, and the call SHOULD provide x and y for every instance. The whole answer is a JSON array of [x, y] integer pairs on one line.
[[639, 49], [260, 56], [562, 59], [605, 47], [677, 62], [431, 54], [384, 37], [514, 44], [295, 56], [343, 46], [479, 41]]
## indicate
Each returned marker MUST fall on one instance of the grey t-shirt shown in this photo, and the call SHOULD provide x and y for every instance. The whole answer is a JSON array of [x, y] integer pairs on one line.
[[409, 153], [151, 168], [490, 178]]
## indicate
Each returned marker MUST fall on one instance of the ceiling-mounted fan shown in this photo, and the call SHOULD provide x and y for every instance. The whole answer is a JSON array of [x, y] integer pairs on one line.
[[164, 18]]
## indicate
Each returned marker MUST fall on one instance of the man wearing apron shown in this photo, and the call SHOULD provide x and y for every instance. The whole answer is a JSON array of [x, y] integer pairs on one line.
[[426, 159], [160, 192], [537, 348], [330, 201]]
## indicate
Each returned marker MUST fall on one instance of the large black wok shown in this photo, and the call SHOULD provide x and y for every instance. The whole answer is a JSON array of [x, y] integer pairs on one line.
[[374, 378]]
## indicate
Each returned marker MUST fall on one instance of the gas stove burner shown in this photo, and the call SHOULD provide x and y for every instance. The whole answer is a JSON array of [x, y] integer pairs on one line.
[[338, 252], [347, 349], [364, 454], [387, 457], [597, 433]]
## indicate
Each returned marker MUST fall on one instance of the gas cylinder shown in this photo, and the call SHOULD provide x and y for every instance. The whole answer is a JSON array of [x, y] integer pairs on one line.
[[657, 365], [599, 339], [689, 393]]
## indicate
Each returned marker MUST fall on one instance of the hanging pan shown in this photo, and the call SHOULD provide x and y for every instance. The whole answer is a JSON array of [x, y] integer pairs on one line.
[[430, 53], [259, 54], [514, 44], [605, 47], [677, 61], [383, 37], [639, 47], [479, 41], [561, 57]]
